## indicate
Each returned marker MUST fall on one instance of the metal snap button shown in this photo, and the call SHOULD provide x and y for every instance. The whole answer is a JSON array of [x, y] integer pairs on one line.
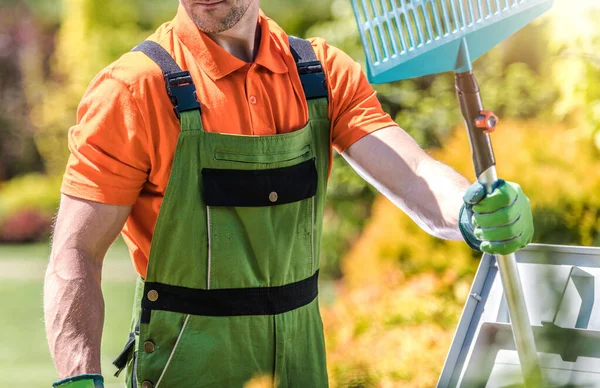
[[148, 347], [273, 196], [253, 100], [146, 384], [152, 295]]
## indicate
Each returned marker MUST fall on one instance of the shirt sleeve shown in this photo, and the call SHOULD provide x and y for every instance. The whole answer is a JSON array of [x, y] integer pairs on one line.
[[109, 161], [355, 110]]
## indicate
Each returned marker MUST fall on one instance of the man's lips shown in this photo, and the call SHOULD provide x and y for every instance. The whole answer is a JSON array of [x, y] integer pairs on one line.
[[209, 3]]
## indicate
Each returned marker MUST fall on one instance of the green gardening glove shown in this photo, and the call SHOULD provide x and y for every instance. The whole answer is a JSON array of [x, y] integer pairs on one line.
[[81, 381], [498, 223]]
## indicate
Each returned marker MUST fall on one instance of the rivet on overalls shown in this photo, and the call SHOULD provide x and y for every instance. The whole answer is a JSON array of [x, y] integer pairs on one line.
[[146, 384], [152, 295], [273, 196], [148, 347]]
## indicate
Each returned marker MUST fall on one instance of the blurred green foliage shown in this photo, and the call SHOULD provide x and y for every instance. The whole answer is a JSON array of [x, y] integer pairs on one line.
[[516, 78], [92, 34]]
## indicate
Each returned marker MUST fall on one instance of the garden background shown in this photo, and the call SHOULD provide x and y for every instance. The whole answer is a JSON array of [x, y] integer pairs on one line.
[[391, 294]]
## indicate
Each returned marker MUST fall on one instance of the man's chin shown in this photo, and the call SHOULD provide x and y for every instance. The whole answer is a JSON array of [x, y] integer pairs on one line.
[[211, 28]]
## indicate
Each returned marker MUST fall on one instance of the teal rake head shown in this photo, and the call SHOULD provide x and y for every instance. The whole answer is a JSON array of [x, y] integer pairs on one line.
[[411, 38]]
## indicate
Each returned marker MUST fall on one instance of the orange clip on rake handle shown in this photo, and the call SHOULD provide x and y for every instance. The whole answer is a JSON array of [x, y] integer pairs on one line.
[[487, 121]]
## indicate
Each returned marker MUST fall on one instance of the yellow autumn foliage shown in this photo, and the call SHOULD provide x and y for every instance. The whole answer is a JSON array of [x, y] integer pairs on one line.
[[403, 291]]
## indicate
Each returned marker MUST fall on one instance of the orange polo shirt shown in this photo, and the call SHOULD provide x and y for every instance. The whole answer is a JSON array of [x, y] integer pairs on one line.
[[123, 144]]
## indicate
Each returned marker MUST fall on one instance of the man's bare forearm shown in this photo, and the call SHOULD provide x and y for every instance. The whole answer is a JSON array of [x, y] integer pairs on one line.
[[447, 187], [74, 312], [427, 190], [433, 198], [73, 302]]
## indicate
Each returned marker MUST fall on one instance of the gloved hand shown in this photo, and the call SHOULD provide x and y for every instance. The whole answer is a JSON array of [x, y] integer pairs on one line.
[[81, 381], [497, 223]]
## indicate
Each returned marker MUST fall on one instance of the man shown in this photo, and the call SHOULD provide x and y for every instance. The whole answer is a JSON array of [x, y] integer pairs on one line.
[[224, 228]]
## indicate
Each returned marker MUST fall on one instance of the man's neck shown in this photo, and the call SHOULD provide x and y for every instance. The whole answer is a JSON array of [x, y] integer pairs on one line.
[[243, 39]]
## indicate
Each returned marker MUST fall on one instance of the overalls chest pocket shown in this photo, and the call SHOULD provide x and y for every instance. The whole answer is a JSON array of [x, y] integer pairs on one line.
[[260, 217]]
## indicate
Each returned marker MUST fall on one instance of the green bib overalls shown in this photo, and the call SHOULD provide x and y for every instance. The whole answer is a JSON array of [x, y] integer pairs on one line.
[[231, 287]]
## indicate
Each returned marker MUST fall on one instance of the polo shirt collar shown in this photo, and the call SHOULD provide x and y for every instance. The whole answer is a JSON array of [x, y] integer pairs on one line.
[[216, 61]]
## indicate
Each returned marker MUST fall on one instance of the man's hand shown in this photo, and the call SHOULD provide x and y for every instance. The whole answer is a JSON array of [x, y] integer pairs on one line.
[[497, 223]]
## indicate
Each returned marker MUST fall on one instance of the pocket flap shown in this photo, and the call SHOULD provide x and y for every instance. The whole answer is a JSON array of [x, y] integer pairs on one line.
[[276, 186]]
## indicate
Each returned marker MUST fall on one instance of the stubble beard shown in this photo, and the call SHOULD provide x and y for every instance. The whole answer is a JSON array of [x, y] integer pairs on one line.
[[208, 24]]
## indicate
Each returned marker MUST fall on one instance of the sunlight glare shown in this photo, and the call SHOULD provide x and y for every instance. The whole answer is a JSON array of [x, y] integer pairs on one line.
[[572, 20]]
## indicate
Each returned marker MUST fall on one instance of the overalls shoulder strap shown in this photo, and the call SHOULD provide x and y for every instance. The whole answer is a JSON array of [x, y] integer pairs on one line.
[[309, 68], [179, 83], [159, 55]]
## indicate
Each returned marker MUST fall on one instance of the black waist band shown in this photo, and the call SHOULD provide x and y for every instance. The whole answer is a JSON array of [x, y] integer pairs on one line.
[[229, 301]]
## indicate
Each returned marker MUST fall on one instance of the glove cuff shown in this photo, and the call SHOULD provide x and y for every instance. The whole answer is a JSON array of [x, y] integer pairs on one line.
[[466, 228], [81, 381]]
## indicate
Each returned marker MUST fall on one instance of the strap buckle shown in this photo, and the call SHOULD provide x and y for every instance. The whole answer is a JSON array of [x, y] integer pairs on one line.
[[313, 80], [182, 92], [121, 361], [310, 67]]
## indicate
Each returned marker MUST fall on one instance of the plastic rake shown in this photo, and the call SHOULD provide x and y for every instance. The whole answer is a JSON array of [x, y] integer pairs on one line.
[[410, 38]]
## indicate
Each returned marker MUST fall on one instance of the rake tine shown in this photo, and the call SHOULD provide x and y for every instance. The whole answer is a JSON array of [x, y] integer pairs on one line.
[[489, 9], [386, 32], [444, 6], [399, 25], [471, 13], [480, 16], [389, 14], [407, 23], [380, 31], [417, 24], [428, 19], [369, 28], [436, 19], [455, 16]]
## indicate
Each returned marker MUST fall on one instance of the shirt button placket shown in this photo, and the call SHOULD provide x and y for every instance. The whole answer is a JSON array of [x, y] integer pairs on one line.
[[251, 98]]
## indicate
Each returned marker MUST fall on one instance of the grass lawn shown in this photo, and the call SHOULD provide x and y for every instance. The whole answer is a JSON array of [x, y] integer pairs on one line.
[[24, 356], [31, 251]]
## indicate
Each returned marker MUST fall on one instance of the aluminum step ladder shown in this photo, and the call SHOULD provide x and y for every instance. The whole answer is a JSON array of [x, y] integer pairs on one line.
[[562, 293]]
